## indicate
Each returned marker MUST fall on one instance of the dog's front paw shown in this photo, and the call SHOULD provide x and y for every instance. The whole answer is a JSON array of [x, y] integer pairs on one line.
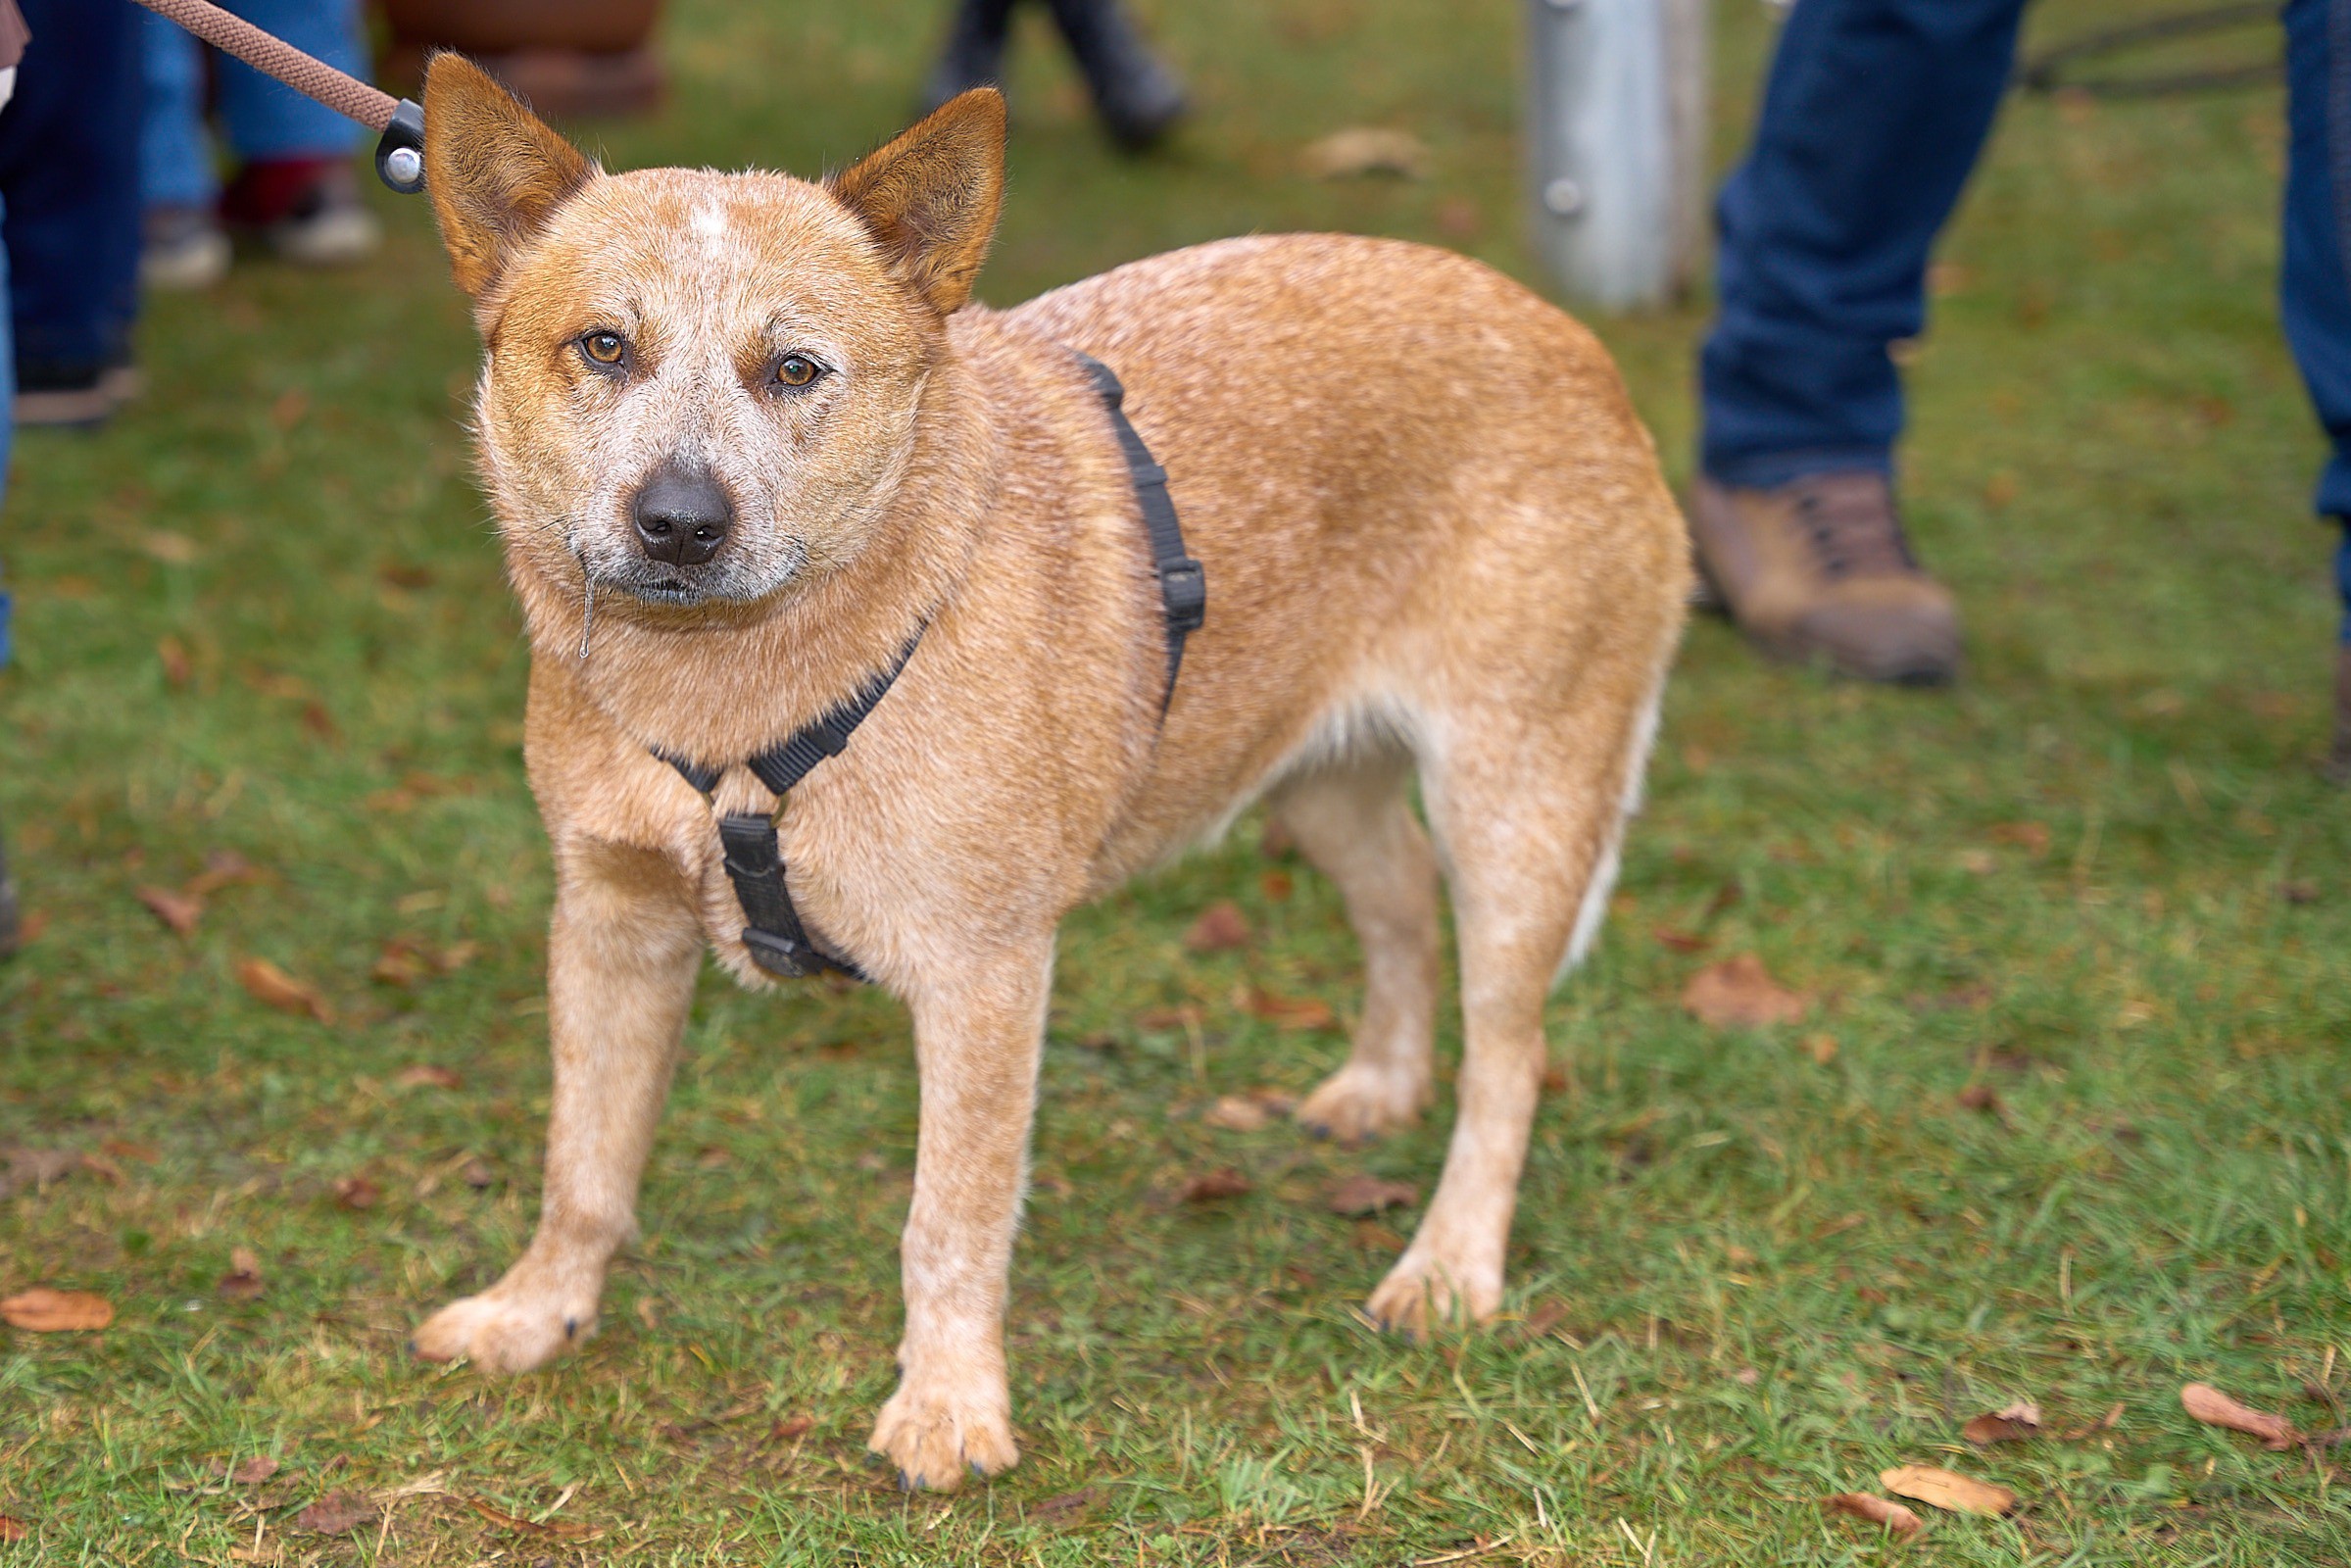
[[1423, 1293], [936, 1438], [501, 1331], [1360, 1102]]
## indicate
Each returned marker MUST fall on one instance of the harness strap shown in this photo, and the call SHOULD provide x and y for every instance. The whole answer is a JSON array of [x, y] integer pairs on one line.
[[1183, 585], [754, 854]]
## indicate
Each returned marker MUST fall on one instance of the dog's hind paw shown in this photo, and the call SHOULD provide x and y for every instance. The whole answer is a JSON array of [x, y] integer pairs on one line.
[[934, 1440], [1420, 1294], [503, 1334], [1358, 1103]]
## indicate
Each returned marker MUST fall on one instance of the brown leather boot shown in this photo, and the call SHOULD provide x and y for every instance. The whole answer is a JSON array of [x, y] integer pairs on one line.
[[1819, 569]]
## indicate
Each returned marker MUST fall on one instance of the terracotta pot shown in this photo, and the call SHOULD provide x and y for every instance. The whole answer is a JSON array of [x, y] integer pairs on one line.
[[566, 58], [502, 27]]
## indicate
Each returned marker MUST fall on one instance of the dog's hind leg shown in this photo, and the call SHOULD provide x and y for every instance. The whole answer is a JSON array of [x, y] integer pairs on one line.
[[1528, 801], [1354, 822], [622, 954]]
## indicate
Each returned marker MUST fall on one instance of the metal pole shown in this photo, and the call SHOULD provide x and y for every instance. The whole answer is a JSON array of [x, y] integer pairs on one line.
[[1616, 143]]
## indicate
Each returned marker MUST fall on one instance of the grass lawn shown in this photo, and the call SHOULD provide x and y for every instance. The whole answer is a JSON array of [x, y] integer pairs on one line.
[[2065, 1120]]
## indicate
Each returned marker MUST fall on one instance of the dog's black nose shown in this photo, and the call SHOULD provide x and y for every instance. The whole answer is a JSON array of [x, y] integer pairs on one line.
[[682, 515]]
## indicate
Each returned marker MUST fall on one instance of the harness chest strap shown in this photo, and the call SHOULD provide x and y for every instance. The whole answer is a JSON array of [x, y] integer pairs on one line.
[[753, 852]]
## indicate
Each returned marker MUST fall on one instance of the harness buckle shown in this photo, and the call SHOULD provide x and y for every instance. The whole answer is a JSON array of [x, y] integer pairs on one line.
[[1184, 591]]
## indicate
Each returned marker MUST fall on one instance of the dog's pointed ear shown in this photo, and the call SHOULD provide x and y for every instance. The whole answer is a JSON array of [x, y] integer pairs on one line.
[[930, 197], [495, 171]]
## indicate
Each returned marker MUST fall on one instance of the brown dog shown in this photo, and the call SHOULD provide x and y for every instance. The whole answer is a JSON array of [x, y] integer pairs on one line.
[[1437, 543]]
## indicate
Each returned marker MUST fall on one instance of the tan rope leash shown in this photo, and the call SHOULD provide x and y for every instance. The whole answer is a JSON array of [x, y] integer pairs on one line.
[[399, 155]]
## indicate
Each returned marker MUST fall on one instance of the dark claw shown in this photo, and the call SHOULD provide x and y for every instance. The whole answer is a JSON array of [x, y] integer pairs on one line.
[[978, 1471], [571, 1327], [906, 1482]]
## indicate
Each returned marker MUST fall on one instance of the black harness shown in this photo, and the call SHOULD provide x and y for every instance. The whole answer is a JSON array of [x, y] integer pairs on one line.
[[754, 856]]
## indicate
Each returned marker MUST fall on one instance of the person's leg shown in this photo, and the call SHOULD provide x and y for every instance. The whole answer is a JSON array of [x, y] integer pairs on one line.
[[1137, 96], [296, 187], [1873, 117], [2313, 288], [184, 247], [69, 170], [9, 919], [975, 56]]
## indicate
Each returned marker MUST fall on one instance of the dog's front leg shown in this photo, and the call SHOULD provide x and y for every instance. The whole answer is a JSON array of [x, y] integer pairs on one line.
[[622, 958], [977, 1044]]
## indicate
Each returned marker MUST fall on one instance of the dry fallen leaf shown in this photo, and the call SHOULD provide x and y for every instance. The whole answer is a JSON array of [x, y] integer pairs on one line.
[[563, 1529], [270, 984], [1679, 941], [1167, 1020], [1981, 1096], [335, 1514], [2028, 836], [357, 1192], [2214, 1408], [2018, 1421], [1060, 1505], [254, 1471], [172, 549], [1361, 1195], [1276, 885], [125, 1148], [1945, 1488], [12, 1528], [1740, 992], [1237, 1113], [178, 911], [1220, 928], [1367, 150], [1878, 1510], [243, 1280], [1210, 1186], [1293, 1013], [426, 1075], [1821, 1048], [792, 1428], [42, 1310], [221, 868], [1540, 1322], [404, 964], [178, 669]]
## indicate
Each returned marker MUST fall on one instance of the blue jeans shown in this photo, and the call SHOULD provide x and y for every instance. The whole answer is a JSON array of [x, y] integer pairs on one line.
[[262, 118], [1873, 117], [69, 175], [8, 424]]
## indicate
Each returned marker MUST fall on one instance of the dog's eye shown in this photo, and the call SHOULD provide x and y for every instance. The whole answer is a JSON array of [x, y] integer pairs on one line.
[[797, 369], [604, 348]]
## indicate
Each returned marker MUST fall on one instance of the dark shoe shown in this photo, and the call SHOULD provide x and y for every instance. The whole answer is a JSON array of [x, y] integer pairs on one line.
[[70, 397], [975, 56], [2337, 767], [1138, 98], [1819, 569]]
